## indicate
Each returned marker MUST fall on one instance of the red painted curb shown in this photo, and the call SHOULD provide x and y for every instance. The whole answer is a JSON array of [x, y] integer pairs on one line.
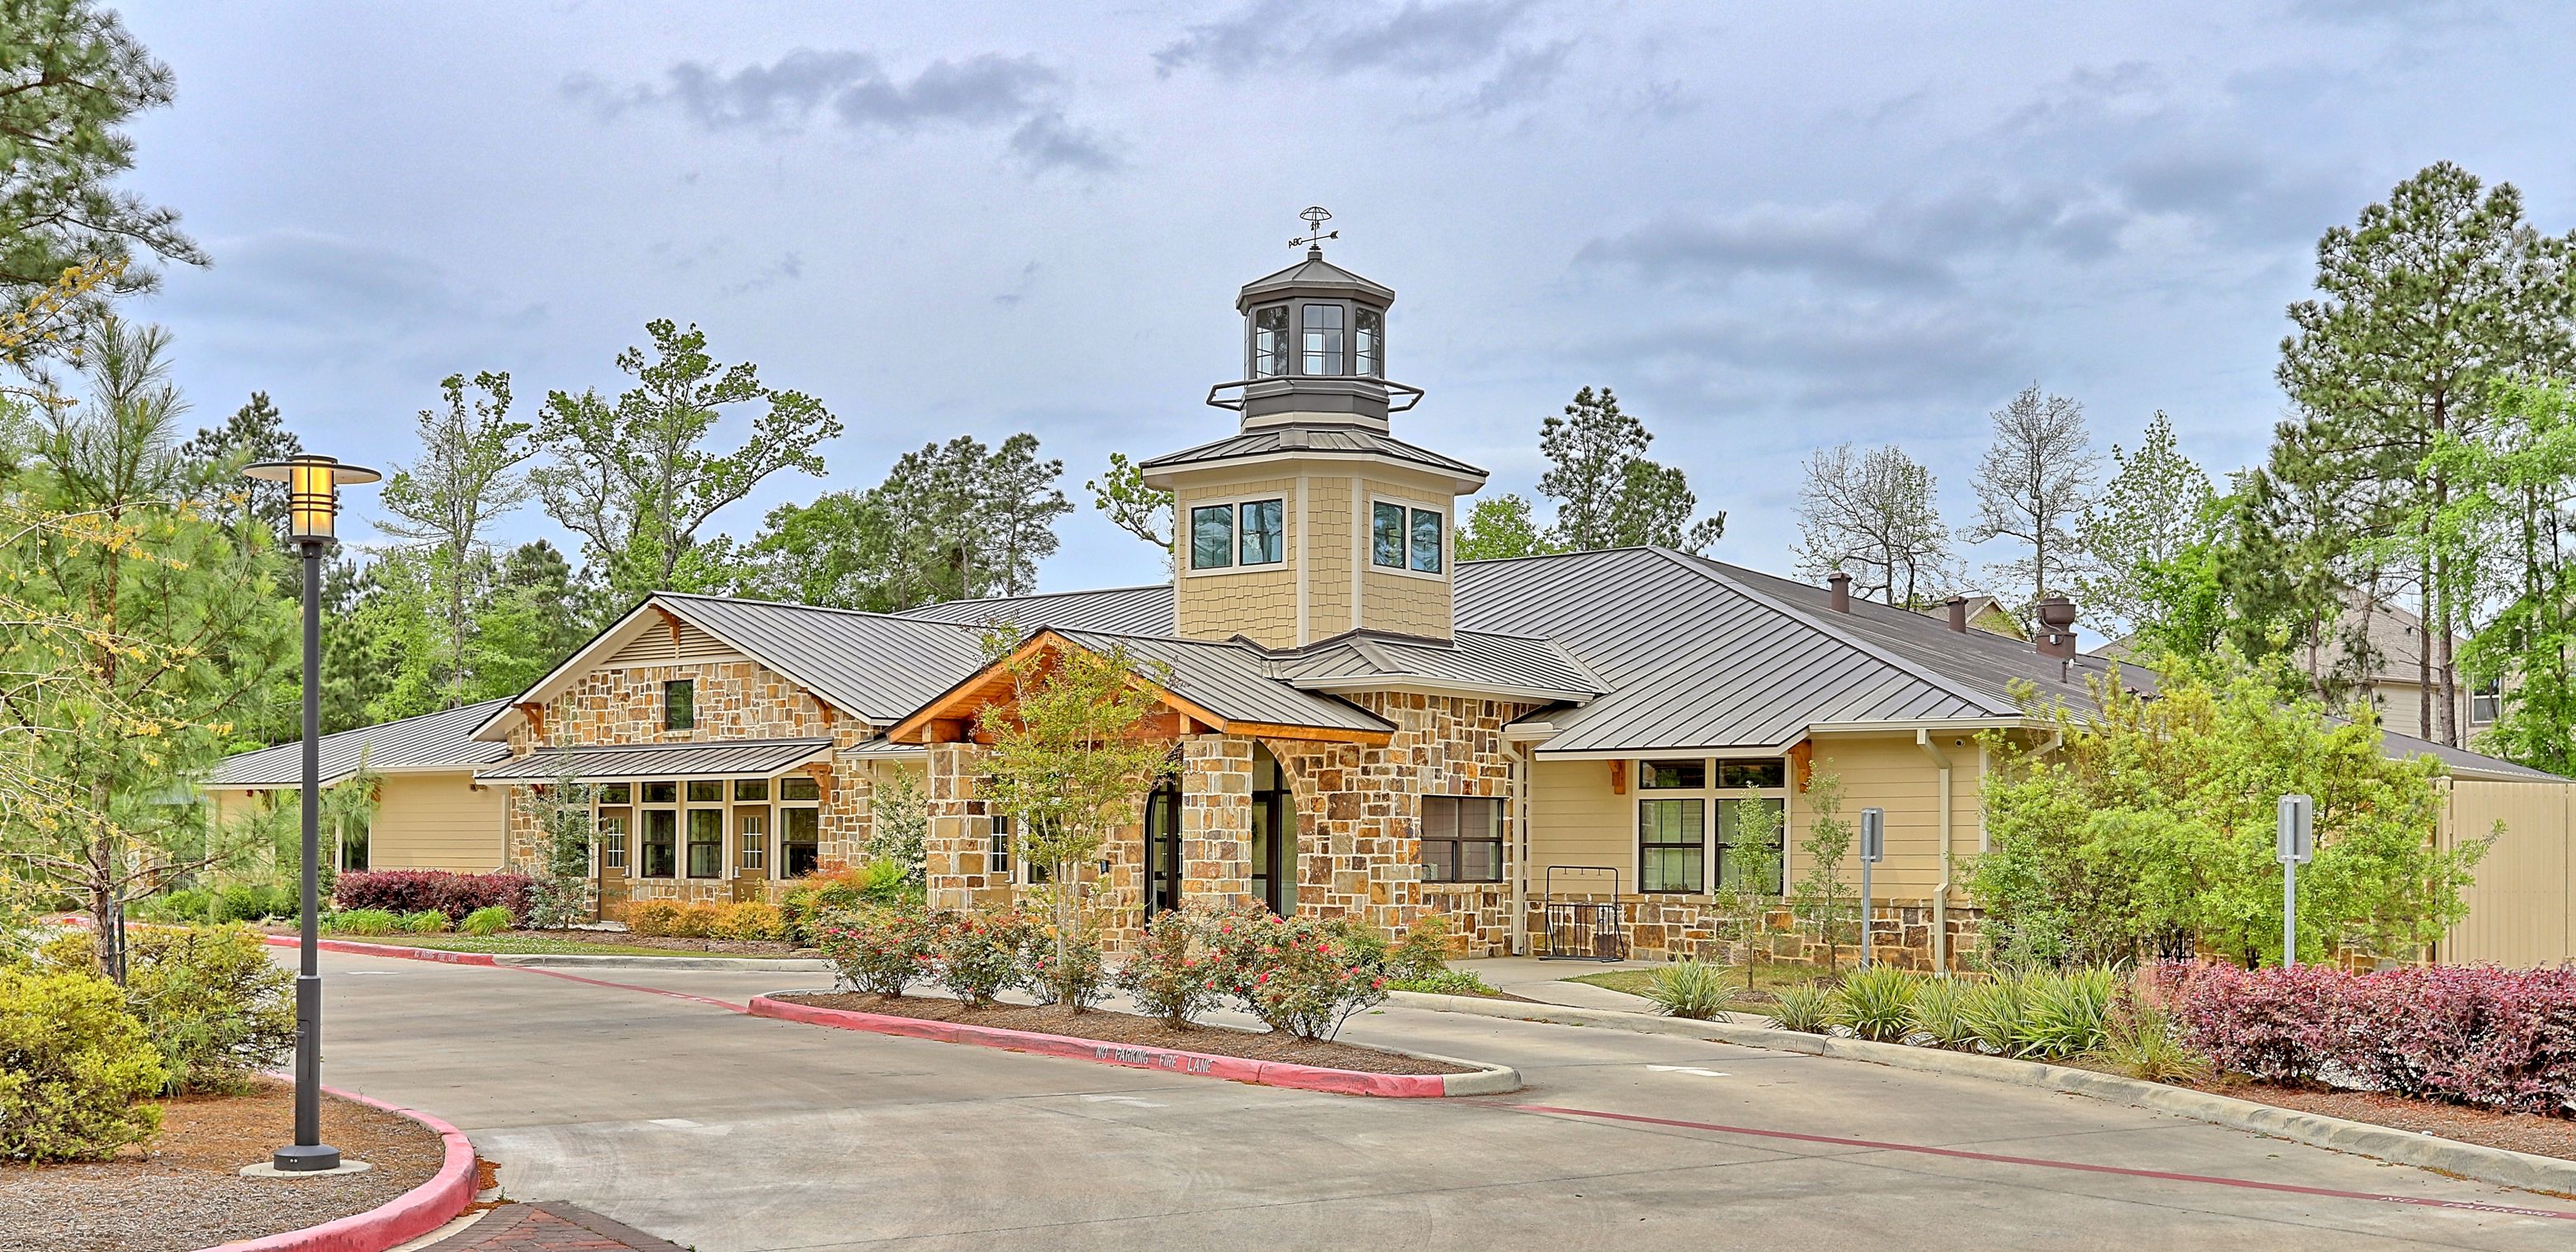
[[1133, 1056], [406, 1217], [353, 948]]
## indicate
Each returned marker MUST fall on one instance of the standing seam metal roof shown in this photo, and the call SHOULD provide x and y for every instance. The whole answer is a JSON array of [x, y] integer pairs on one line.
[[874, 665], [1234, 682], [432, 739], [1311, 440], [718, 758], [1143, 610]]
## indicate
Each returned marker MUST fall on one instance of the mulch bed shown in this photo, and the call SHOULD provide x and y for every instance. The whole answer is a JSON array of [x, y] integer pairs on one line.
[[2516, 1132], [186, 1191], [1111, 1027], [612, 938]]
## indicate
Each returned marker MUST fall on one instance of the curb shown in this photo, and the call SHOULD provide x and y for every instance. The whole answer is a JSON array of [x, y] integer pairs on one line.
[[2500, 1166], [353, 948], [1487, 1080], [535, 960], [405, 1217]]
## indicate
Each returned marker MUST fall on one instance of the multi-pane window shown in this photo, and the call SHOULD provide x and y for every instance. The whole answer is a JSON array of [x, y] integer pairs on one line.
[[1462, 839], [612, 842], [1731, 815], [1270, 341], [1368, 330], [706, 843], [1386, 535], [1252, 532], [2487, 703], [799, 841], [661, 843], [754, 790], [679, 704], [1401, 537], [1322, 326], [1672, 845], [751, 837], [997, 855], [1692, 813]]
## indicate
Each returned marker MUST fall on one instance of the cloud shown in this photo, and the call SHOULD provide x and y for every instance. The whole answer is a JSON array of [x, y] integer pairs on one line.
[[1825, 353], [1416, 39], [786, 269], [990, 91], [1525, 75]]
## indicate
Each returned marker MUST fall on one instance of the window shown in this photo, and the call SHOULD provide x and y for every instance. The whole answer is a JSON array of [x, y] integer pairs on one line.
[[1462, 839], [612, 841], [353, 844], [1270, 341], [755, 790], [751, 837], [1729, 814], [662, 793], [1426, 541], [1261, 533], [1734, 774], [1672, 775], [799, 841], [1323, 332], [661, 842], [706, 793], [997, 856], [1212, 536], [2487, 703], [616, 793], [799, 787], [706, 843], [1672, 845], [1386, 535], [1370, 330], [680, 704]]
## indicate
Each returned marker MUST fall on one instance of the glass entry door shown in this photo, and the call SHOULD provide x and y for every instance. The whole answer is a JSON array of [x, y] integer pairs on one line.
[[1274, 835], [1163, 848]]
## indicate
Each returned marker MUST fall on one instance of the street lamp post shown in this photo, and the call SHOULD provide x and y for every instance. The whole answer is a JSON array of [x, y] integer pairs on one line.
[[312, 507]]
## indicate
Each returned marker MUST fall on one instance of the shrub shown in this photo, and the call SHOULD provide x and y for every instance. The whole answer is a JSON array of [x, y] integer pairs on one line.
[[1068, 972], [675, 919], [748, 919], [362, 922], [425, 922], [1692, 989], [1423, 953], [1807, 1007], [73, 1064], [1448, 982], [415, 890], [880, 948], [2140, 1040], [1935, 1012], [1168, 975], [175, 907], [243, 902], [1877, 1002], [979, 953], [215, 1007], [2064, 1013], [491, 919], [1990, 1012], [1304, 976], [837, 888]]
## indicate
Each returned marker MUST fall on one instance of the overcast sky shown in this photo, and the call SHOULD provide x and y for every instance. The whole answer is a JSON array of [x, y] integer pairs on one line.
[[1769, 227]]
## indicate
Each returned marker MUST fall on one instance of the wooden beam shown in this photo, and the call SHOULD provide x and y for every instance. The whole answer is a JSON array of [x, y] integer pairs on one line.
[[671, 620], [1618, 778]]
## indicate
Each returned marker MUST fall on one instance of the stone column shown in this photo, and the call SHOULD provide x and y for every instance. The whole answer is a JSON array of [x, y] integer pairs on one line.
[[1216, 817], [960, 835]]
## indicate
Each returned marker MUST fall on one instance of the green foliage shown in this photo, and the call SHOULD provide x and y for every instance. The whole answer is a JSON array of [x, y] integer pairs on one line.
[[215, 1007], [491, 919], [1607, 493], [635, 480], [1877, 1002], [880, 948], [1821, 900], [2509, 489], [73, 1066], [1935, 1012], [2157, 507], [980, 953], [1991, 1012], [2151, 829], [748, 920], [951, 521], [425, 922], [2141, 1040], [362, 922], [443, 505], [1170, 975], [1423, 952], [1447, 982], [248, 902], [1303, 976], [1501, 527], [1065, 969], [1806, 1007], [1692, 989], [536, 611], [839, 887], [1749, 886], [2064, 1013], [1146, 512], [564, 816], [899, 825]]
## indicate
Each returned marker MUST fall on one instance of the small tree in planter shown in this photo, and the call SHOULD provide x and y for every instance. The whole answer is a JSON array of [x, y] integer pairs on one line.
[[1750, 874], [1069, 764], [899, 825], [1823, 901], [561, 812]]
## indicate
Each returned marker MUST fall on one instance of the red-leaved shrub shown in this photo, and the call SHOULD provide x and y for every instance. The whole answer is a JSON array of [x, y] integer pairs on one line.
[[2501, 1038], [417, 890]]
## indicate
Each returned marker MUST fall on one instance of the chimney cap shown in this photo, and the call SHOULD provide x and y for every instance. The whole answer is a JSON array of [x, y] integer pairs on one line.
[[2056, 612]]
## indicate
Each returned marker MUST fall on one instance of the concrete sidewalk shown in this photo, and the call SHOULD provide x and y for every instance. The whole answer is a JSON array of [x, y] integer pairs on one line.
[[1531, 978]]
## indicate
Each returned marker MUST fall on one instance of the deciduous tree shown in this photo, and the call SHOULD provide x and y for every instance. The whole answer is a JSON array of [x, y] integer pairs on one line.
[[1872, 514], [951, 521], [468, 476], [2157, 505], [1501, 527], [2031, 486]]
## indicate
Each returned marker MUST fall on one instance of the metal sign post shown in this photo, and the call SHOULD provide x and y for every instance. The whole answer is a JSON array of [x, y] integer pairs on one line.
[[1873, 845], [2295, 843]]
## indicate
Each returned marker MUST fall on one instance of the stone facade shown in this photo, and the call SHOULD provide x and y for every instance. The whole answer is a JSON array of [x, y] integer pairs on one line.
[[1665, 928]]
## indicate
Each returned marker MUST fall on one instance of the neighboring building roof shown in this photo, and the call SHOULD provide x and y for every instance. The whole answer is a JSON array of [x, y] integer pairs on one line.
[[1234, 681], [442, 740], [1304, 441], [723, 758]]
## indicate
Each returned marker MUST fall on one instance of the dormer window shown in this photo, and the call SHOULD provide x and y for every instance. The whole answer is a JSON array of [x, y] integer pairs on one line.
[[1369, 331], [1270, 341], [1323, 332]]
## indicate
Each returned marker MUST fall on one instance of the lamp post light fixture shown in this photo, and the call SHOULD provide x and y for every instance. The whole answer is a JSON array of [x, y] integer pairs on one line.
[[312, 510]]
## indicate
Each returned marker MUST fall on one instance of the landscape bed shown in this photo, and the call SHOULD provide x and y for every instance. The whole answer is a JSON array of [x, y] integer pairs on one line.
[[2514, 1132], [186, 1191], [1107, 1026], [573, 943]]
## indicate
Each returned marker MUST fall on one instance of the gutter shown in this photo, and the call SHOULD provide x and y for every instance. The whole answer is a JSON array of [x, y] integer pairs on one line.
[[1522, 786], [1941, 891]]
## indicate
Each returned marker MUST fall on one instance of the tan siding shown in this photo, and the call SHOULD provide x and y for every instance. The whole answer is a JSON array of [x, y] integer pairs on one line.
[[1404, 603], [437, 821], [2522, 909], [1575, 819], [1259, 603], [1331, 525]]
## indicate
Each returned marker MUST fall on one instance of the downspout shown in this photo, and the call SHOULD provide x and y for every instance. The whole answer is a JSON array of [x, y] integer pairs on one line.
[[1941, 891], [1520, 851]]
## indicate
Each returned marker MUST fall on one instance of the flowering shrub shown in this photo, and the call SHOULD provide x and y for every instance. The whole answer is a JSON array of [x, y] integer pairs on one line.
[[403, 891], [880, 948], [1301, 975], [1071, 972], [979, 952], [1168, 975], [2472, 1034]]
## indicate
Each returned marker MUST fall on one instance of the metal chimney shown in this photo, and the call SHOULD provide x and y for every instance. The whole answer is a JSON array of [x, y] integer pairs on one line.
[[1841, 584], [1959, 614], [2056, 628]]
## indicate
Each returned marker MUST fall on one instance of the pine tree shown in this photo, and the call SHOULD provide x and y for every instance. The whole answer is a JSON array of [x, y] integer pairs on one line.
[[2156, 506], [1607, 493]]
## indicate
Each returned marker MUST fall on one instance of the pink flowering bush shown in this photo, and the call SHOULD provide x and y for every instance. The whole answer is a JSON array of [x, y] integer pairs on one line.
[[980, 952], [879, 948], [1301, 975], [1169, 974], [1069, 973], [2500, 1038]]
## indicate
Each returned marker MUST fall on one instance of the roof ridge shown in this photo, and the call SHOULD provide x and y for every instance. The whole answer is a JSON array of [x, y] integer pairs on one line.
[[416, 717], [1703, 566], [798, 606], [1034, 595]]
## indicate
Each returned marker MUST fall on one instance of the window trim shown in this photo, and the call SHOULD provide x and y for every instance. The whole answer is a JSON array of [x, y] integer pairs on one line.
[[1287, 341], [2493, 695], [1711, 792], [1234, 539], [1458, 841], [1367, 524], [1298, 331], [671, 686]]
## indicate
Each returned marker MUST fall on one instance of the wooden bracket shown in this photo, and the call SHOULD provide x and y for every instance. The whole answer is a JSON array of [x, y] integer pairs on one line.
[[536, 715], [1618, 778]]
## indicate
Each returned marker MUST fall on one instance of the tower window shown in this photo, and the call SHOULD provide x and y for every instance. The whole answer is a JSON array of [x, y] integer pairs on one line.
[[1260, 532], [1323, 328], [1426, 541], [1212, 537], [1270, 341], [1386, 535], [1368, 328], [680, 704]]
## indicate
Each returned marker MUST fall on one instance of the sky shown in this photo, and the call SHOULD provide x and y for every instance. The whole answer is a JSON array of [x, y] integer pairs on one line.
[[1770, 228]]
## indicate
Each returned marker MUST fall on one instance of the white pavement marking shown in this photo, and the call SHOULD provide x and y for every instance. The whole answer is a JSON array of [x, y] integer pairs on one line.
[[1693, 1070], [1120, 1099]]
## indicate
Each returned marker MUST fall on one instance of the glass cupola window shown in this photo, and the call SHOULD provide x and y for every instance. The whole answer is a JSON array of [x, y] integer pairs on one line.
[[1322, 332], [1270, 341]]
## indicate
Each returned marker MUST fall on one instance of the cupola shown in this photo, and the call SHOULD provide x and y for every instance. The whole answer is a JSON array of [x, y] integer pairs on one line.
[[1314, 345]]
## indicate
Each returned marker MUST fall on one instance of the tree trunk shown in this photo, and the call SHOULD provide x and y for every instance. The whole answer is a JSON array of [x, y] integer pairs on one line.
[[2424, 656]]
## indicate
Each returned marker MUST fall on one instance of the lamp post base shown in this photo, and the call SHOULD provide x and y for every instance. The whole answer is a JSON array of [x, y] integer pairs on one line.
[[305, 1158]]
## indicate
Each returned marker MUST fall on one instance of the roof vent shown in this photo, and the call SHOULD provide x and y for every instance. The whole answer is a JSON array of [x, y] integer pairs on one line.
[[1959, 614], [2057, 627], [1841, 584]]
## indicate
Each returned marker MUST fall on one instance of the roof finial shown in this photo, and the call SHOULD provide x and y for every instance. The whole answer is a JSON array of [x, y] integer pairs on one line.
[[1313, 242]]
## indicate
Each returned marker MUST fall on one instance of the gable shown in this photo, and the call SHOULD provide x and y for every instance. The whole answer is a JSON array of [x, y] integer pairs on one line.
[[676, 641]]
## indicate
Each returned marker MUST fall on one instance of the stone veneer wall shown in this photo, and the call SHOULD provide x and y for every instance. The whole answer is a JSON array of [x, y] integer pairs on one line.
[[1674, 927]]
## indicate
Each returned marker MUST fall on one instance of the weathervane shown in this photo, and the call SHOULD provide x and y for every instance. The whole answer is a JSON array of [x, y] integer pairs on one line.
[[1315, 218]]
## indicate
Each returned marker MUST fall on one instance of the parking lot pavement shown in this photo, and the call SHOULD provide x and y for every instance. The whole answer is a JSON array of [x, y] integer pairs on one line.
[[735, 1134]]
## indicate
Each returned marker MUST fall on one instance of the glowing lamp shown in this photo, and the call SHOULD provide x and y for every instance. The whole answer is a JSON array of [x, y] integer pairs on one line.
[[312, 491]]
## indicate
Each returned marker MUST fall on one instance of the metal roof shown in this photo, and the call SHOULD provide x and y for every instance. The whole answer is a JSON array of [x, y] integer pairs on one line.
[[721, 758], [1305, 440], [413, 743], [1313, 272], [1233, 681], [1475, 659], [874, 665], [1117, 610]]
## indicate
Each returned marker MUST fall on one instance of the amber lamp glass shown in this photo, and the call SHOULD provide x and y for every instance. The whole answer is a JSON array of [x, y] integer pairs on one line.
[[312, 491]]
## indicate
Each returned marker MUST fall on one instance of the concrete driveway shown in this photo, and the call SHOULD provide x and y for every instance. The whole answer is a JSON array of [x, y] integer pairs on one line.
[[734, 1134]]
